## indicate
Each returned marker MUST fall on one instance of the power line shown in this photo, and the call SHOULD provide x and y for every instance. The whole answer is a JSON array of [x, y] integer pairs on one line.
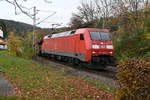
[[46, 11], [46, 18]]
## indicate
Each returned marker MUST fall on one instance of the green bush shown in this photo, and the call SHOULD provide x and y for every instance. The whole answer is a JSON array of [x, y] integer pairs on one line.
[[28, 50], [134, 78], [21, 47], [15, 46], [132, 45]]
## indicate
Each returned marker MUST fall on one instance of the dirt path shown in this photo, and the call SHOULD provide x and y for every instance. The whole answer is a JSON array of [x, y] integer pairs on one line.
[[6, 89]]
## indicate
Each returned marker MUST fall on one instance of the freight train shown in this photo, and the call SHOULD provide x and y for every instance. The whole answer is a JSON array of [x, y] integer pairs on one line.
[[89, 46]]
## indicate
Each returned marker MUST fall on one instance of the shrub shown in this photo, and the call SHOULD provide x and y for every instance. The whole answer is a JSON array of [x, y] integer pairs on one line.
[[28, 50], [21, 47], [134, 78], [133, 45], [15, 46]]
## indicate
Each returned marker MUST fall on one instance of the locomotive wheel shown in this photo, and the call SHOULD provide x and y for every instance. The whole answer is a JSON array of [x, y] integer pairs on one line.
[[49, 57], [71, 62], [64, 59], [76, 61]]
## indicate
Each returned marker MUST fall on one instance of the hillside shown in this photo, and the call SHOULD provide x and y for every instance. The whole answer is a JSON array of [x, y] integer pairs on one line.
[[22, 29], [18, 27]]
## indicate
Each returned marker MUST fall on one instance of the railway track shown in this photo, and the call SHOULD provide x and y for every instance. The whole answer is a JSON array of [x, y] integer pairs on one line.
[[107, 76]]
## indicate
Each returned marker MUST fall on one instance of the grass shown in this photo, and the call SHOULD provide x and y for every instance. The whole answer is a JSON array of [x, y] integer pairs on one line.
[[37, 82], [100, 85]]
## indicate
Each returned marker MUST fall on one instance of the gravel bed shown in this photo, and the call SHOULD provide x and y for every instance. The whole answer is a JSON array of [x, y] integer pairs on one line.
[[107, 77]]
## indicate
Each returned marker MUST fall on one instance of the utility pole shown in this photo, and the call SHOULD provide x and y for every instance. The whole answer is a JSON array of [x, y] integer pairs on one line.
[[103, 24], [34, 26]]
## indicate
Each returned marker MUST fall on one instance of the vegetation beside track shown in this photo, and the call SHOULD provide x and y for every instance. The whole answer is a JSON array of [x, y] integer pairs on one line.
[[134, 79], [37, 82]]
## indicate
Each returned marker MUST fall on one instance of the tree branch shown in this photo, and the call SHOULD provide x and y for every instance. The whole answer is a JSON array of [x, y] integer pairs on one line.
[[16, 3]]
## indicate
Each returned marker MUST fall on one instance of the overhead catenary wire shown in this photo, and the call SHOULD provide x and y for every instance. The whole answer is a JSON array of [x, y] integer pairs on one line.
[[46, 18]]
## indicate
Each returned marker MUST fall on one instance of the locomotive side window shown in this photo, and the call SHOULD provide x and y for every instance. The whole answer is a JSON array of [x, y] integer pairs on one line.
[[49, 36], [63, 34], [72, 32], [81, 37]]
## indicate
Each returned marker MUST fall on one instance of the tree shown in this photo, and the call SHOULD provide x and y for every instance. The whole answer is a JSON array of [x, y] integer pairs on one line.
[[104, 10], [76, 21], [87, 12], [85, 15], [18, 4], [130, 13], [95, 13]]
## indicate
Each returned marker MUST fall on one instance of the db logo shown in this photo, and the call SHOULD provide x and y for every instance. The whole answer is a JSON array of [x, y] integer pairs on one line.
[[102, 46]]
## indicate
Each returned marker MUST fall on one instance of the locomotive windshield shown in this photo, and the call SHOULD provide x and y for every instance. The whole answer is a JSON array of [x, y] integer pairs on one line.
[[100, 36]]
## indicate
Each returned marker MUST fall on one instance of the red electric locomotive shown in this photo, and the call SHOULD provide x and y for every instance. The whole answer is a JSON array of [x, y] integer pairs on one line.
[[87, 45]]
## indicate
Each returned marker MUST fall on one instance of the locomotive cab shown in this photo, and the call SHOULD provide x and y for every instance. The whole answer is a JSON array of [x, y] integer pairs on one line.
[[102, 49]]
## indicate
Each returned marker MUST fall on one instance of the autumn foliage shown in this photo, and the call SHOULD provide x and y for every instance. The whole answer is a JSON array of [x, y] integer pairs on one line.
[[21, 47], [15, 46], [134, 78]]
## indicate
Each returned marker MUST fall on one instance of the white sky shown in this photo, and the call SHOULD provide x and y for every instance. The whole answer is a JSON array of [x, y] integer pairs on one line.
[[63, 8]]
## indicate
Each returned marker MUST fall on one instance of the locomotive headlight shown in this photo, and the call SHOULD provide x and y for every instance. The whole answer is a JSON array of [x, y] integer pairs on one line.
[[109, 46], [95, 46], [111, 52]]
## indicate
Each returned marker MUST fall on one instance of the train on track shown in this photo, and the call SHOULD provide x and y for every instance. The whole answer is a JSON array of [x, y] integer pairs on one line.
[[89, 46]]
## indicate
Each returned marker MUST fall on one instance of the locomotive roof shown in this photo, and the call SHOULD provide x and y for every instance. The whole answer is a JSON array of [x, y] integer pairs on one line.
[[94, 29], [73, 31], [60, 34]]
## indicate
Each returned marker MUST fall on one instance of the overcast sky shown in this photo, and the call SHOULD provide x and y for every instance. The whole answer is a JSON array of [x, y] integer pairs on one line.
[[63, 9]]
